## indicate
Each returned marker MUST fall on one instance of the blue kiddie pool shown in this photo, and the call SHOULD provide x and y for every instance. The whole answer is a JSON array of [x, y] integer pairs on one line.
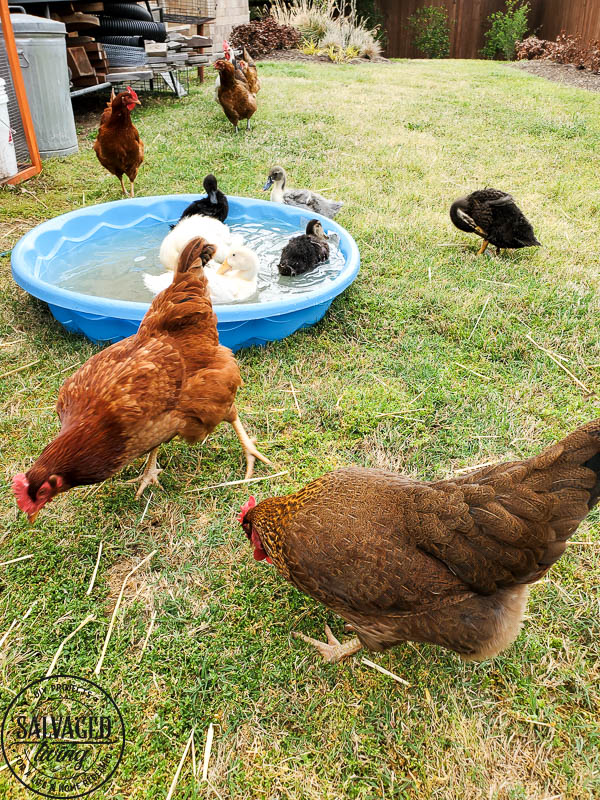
[[88, 266]]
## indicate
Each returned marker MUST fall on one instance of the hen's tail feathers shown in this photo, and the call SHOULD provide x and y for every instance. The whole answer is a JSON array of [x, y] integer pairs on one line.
[[537, 504], [196, 253], [570, 470]]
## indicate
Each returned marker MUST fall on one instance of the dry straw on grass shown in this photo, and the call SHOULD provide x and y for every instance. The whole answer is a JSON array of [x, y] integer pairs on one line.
[[61, 646], [117, 605], [173, 786]]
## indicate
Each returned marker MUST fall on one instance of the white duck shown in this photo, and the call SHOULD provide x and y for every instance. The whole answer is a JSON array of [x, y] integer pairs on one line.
[[209, 228], [233, 281]]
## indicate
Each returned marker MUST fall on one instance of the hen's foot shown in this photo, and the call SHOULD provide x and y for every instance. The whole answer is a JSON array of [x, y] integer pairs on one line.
[[250, 450], [332, 650], [149, 475]]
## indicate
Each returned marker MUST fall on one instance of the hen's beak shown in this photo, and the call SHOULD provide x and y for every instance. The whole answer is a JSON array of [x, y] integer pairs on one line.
[[268, 184], [32, 517], [213, 198], [225, 267], [138, 102]]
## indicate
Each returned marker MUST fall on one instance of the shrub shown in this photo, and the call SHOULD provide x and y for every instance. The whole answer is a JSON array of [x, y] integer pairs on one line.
[[532, 48], [325, 27], [262, 36], [431, 31], [566, 49], [506, 29]]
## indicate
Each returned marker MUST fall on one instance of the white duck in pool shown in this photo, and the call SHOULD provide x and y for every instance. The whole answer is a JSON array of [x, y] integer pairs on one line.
[[233, 281], [209, 228]]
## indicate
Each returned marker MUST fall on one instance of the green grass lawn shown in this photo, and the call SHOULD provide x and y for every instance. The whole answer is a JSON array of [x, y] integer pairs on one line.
[[405, 372]]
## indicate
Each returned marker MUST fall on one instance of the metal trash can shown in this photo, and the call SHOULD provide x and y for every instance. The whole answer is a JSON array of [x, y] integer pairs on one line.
[[43, 58]]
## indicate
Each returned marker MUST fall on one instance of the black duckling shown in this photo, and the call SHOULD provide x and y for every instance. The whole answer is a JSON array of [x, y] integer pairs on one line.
[[304, 252], [213, 205], [495, 217]]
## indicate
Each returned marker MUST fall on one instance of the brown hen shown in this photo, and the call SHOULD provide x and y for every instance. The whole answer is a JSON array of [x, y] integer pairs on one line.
[[250, 72], [447, 562], [118, 144], [235, 97], [172, 378]]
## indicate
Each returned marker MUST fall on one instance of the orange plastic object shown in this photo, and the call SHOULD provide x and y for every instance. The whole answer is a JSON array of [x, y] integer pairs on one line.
[[17, 77]]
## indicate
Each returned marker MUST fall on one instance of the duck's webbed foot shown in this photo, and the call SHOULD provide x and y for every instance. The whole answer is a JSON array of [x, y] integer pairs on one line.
[[332, 650]]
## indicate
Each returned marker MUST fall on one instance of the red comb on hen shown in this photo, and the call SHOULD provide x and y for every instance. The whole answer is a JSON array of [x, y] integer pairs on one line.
[[250, 503], [132, 92], [20, 484]]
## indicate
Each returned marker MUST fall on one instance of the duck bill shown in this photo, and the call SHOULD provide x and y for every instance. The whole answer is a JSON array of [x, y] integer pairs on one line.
[[268, 185], [225, 267]]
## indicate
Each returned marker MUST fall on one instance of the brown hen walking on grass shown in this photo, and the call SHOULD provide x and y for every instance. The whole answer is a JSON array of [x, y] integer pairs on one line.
[[447, 562]]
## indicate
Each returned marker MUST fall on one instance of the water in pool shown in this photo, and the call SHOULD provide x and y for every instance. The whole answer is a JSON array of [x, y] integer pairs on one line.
[[112, 264]]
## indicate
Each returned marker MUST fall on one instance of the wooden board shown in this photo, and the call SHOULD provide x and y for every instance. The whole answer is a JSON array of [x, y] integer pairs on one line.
[[79, 21], [469, 20], [79, 63]]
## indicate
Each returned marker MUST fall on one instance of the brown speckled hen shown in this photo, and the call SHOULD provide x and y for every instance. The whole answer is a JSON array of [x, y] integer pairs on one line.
[[447, 562]]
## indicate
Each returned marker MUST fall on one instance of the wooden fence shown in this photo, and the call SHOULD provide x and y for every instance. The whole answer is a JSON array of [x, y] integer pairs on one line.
[[468, 22]]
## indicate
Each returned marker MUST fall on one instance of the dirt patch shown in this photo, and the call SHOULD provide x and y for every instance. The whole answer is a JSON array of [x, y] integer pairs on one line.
[[298, 55], [562, 73]]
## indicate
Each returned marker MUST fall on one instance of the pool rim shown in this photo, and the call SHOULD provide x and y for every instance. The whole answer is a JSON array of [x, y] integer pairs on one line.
[[24, 270]]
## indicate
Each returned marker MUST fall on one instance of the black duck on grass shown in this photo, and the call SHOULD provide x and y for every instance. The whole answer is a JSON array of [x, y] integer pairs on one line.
[[303, 253], [213, 205], [495, 217]]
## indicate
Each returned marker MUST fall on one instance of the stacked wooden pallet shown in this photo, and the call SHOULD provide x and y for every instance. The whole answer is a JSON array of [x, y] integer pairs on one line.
[[178, 51], [87, 61]]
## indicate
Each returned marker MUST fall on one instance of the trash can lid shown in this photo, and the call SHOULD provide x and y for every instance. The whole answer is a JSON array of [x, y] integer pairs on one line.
[[27, 23]]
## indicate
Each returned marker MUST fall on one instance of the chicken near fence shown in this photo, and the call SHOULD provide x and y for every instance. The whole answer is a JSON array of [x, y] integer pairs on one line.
[[250, 72], [236, 100], [118, 145]]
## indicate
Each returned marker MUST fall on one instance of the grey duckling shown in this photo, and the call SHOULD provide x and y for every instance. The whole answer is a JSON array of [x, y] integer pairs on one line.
[[303, 253], [302, 198]]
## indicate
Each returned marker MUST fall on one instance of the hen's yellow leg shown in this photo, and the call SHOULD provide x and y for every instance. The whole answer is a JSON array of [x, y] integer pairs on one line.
[[150, 473], [123, 186], [250, 450], [332, 650], [483, 248]]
